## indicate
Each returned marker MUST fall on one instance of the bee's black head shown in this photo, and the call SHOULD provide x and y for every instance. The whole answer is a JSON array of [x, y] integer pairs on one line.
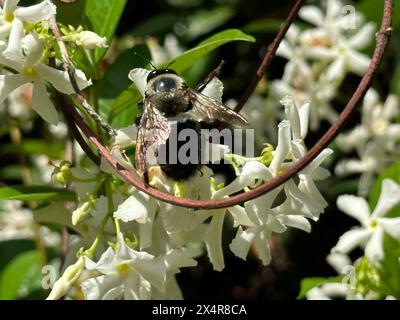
[[157, 72]]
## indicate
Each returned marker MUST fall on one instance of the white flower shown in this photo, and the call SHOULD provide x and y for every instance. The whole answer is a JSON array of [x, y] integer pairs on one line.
[[125, 273], [328, 291], [67, 280], [162, 54], [27, 61], [90, 40], [331, 39], [376, 140], [373, 225], [12, 19]]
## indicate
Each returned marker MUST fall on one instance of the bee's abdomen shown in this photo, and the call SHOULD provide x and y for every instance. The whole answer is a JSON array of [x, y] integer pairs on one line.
[[182, 151]]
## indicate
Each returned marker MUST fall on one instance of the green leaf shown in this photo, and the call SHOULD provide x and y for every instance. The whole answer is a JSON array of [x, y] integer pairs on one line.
[[70, 13], [263, 26], [55, 149], [373, 11], [155, 25], [308, 283], [103, 16], [183, 62], [204, 21], [21, 276], [36, 193], [129, 98], [56, 214], [393, 173], [395, 82]]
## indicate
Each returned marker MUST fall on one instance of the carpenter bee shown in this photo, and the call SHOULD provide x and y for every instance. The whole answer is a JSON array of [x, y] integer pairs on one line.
[[167, 100]]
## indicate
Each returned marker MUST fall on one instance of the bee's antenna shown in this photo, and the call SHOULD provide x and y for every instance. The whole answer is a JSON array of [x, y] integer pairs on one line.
[[170, 64], [145, 59]]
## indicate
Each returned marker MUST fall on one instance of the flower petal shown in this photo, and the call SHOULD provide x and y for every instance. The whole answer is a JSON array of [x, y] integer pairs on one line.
[[213, 240], [215, 89], [139, 77], [312, 14], [252, 171], [13, 51], [240, 217], [358, 62], [41, 103], [36, 13], [351, 239], [363, 37], [177, 258], [355, 207], [391, 226], [263, 247], [240, 246], [9, 83], [298, 222], [390, 196], [374, 248], [283, 147], [102, 288], [60, 80], [137, 207]]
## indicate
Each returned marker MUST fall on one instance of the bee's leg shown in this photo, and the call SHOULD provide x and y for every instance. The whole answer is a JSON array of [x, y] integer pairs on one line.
[[215, 73], [139, 117], [146, 177]]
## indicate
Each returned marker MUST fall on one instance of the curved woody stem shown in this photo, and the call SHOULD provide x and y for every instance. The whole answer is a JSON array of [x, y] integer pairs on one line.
[[382, 39]]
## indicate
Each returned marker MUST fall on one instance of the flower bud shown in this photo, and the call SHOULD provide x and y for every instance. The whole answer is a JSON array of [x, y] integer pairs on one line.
[[64, 284], [81, 212], [90, 40]]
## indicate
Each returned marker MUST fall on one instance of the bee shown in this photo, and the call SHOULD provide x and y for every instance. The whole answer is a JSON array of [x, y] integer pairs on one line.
[[168, 98]]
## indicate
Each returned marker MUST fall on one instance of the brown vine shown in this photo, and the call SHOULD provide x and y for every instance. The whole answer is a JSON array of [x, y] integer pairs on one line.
[[382, 39]]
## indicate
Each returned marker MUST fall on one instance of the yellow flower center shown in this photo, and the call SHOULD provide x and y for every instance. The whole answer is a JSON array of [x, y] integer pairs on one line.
[[373, 224], [8, 16], [280, 172], [123, 268], [30, 72], [380, 127]]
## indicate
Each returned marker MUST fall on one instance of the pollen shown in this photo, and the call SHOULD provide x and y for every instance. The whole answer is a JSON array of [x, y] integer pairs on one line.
[[373, 224], [8, 16], [30, 72], [123, 268]]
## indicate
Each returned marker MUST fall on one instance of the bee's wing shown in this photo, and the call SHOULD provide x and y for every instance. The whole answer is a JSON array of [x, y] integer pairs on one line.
[[153, 128], [209, 109]]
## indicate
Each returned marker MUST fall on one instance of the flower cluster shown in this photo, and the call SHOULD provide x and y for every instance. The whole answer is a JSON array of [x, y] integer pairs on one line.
[[376, 140], [25, 49], [320, 57], [365, 274], [140, 253]]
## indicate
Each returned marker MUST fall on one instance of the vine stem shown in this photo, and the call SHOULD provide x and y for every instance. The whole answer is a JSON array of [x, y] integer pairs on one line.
[[70, 68], [269, 55], [382, 38]]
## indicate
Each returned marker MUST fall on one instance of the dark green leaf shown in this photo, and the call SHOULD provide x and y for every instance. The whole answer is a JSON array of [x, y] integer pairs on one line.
[[373, 11], [308, 283], [204, 21], [263, 26], [36, 193], [54, 149], [103, 16], [70, 13], [155, 25], [21, 276]]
